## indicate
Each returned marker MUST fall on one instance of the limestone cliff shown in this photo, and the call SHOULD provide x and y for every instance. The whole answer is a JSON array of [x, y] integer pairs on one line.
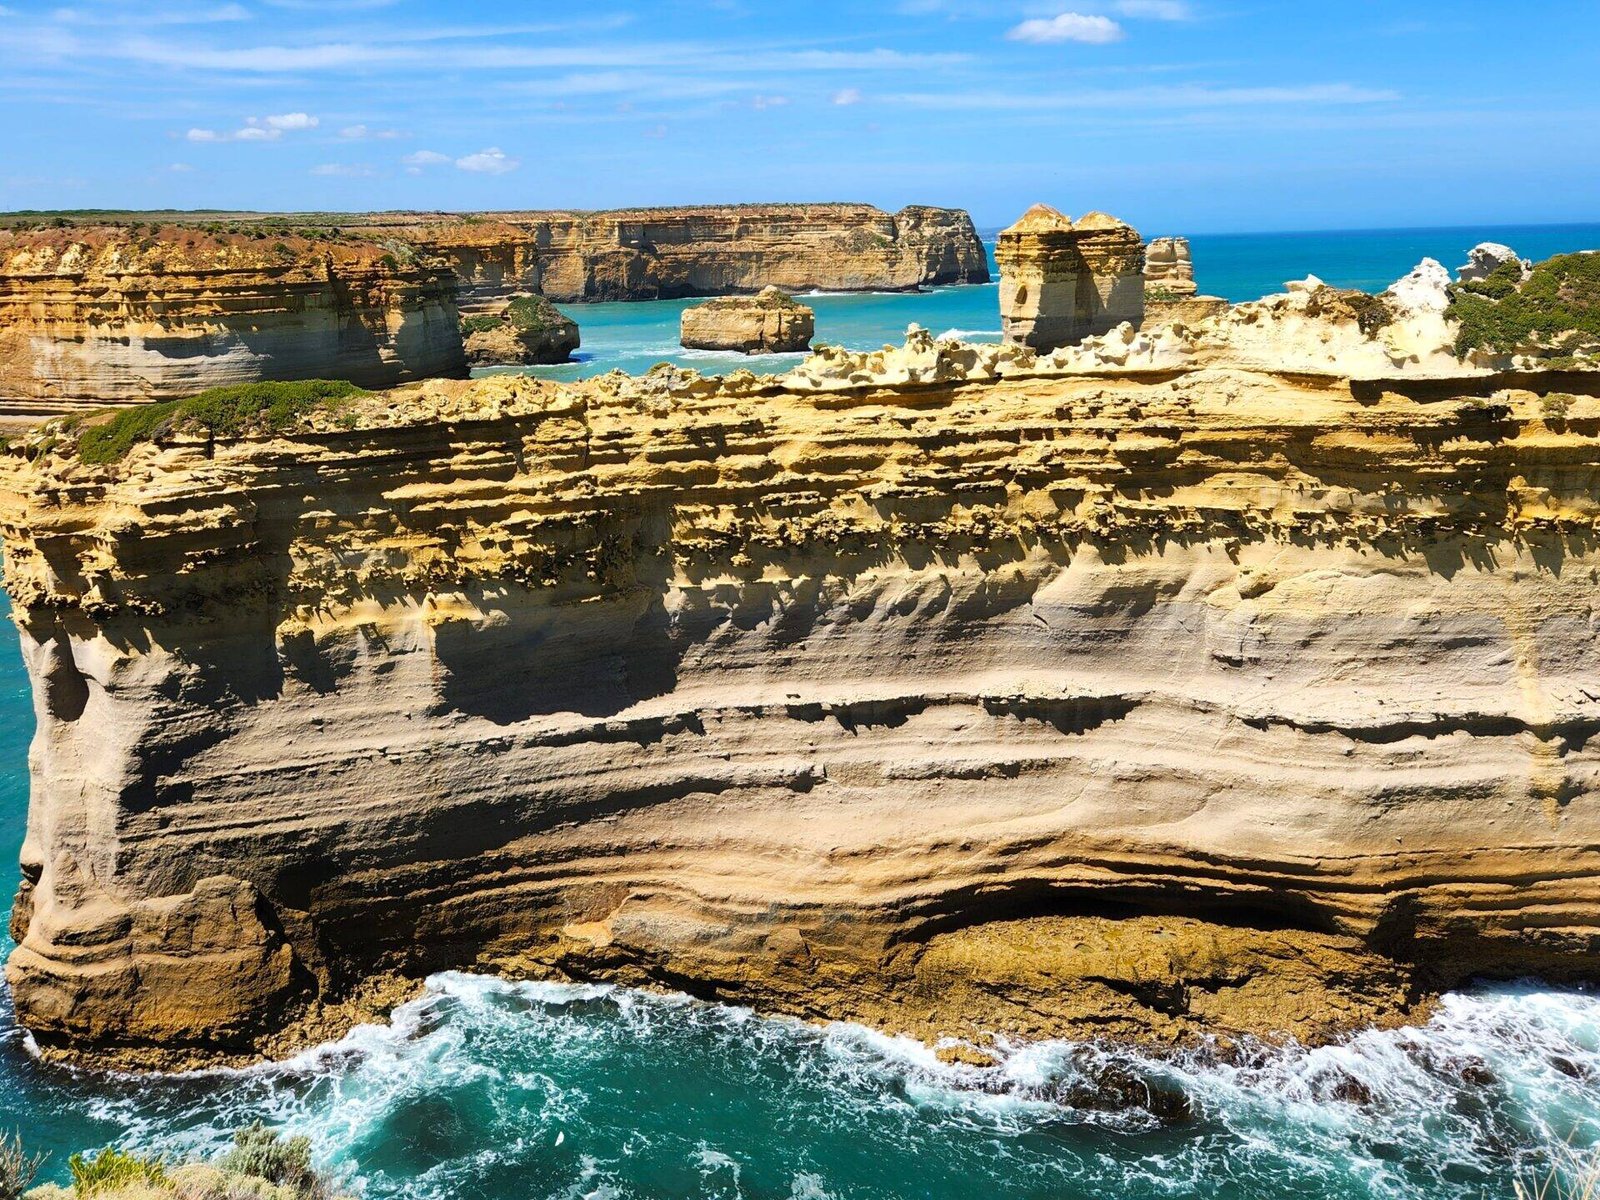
[[956, 688], [1063, 280], [767, 323], [668, 253], [92, 316]]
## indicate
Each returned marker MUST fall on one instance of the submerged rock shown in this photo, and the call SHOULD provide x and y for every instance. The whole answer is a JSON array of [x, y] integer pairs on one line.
[[769, 322]]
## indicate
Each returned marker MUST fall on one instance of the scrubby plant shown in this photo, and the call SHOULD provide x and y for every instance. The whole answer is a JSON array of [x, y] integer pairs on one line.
[[112, 1169], [263, 1153], [222, 412], [470, 325], [18, 1168], [1558, 305]]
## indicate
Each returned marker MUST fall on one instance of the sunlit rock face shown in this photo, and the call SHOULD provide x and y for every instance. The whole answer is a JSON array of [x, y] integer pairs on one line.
[[1062, 281], [768, 323], [96, 316], [668, 253], [1142, 688]]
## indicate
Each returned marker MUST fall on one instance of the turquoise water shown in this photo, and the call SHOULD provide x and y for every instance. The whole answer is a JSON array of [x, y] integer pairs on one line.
[[515, 1092], [634, 337]]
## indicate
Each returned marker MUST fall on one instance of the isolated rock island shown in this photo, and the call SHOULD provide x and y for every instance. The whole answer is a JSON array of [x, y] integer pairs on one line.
[[1224, 677], [769, 322]]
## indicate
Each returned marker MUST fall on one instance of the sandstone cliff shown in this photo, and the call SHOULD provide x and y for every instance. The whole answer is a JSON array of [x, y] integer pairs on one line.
[[668, 253], [526, 332], [1143, 688], [106, 315], [1063, 280], [767, 323]]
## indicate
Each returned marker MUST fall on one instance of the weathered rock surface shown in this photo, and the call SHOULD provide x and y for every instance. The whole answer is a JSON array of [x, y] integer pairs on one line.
[[1485, 258], [95, 316], [669, 253], [768, 323], [1169, 268], [1146, 686], [1062, 281], [529, 331]]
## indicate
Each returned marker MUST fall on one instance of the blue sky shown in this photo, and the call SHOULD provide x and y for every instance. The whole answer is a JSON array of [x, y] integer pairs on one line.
[[1188, 115]]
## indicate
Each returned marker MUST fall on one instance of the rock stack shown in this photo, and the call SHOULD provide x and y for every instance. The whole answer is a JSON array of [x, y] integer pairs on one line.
[[769, 322], [1062, 281], [529, 331], [1170, 292]]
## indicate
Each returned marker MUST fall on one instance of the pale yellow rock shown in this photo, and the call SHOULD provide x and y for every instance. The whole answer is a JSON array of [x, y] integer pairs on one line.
[[769, 322], [1063, 281], [839, 694]]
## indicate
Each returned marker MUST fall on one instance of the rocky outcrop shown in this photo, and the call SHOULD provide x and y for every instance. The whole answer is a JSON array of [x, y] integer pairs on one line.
[[529, 331], [671, 253], [1169, 268], [768, 323], [1143, 688], [1487, 257], [1062, 281], [91, 316]]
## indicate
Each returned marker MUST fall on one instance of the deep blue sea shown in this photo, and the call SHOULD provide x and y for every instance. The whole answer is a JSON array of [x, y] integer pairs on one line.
[[501, 1091]]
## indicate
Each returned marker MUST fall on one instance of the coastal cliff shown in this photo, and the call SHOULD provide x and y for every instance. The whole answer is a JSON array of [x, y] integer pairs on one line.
[[671, 253], [1143, 689], [99, 315]]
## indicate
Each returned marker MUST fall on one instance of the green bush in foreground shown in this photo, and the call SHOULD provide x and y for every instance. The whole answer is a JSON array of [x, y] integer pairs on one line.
[[113, 1169], [1557, 306], [223, 412], [260, 1153]]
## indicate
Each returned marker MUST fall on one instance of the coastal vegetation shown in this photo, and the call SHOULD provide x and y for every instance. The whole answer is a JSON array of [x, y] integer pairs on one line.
[[221, 412], [1557, 306], [262, 1165]]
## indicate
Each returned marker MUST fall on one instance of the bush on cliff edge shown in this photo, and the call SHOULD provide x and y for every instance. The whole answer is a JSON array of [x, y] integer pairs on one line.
[[222, 412], [1557, 306]]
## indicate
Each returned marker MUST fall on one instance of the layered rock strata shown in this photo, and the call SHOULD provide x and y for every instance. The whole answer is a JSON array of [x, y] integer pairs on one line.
[[1062, 281], [671, 253], [529, 331], [768, 323], [956, 689], [96, 316], [1169, 267]]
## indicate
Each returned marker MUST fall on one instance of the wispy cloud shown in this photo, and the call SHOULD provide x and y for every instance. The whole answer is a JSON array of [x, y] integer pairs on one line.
[[359, 133], [1068, 27], [1153, 10], [1177, 98], [344, 170], [845, 97], [425, 158], [147, 16]]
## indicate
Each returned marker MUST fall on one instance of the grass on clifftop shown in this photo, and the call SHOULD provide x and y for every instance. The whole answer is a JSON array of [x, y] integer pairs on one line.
[[525, 314], [1558, 306], [223, 412]]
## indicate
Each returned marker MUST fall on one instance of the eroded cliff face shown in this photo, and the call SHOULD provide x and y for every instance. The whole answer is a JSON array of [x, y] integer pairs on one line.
[[97, 316], [1020, 698], [669, 253]]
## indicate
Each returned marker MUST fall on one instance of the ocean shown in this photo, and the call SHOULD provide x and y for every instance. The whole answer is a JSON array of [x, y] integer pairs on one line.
[[503, 1091]]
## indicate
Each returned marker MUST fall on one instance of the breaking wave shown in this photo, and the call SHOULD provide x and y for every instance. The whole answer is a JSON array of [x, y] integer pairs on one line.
[[490, 1088]]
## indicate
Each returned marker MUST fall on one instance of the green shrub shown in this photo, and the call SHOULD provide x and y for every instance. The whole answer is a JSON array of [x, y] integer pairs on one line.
[[470, 325], [112, 1169], [532, 314], [260, 1152], [223, 412], [18, 1168], [1557, 306]]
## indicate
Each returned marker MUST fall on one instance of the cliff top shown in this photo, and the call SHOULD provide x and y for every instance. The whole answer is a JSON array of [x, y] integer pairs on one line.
[[113, 251]]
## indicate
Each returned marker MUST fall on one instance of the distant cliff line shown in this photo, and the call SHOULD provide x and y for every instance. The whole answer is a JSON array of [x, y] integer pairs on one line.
[[644, 253]]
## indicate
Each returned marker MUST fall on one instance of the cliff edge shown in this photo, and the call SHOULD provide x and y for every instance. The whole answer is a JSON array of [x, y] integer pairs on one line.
[[1146, 688]]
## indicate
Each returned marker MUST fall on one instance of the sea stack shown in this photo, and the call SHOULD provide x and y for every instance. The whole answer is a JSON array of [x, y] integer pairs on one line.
[[1062, 281], [1170, 291], [99, 315], [530, 331], [769, 322]]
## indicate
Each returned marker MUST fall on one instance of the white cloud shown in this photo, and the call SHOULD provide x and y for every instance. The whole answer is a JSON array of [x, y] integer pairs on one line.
[[346, 170], [1154, 10], [294, 120], [357, 133], [1068, 27], [425, 158], [145, 16], [847, 96], [761, 103], [258, 129], [492, 161], [180, 168]]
